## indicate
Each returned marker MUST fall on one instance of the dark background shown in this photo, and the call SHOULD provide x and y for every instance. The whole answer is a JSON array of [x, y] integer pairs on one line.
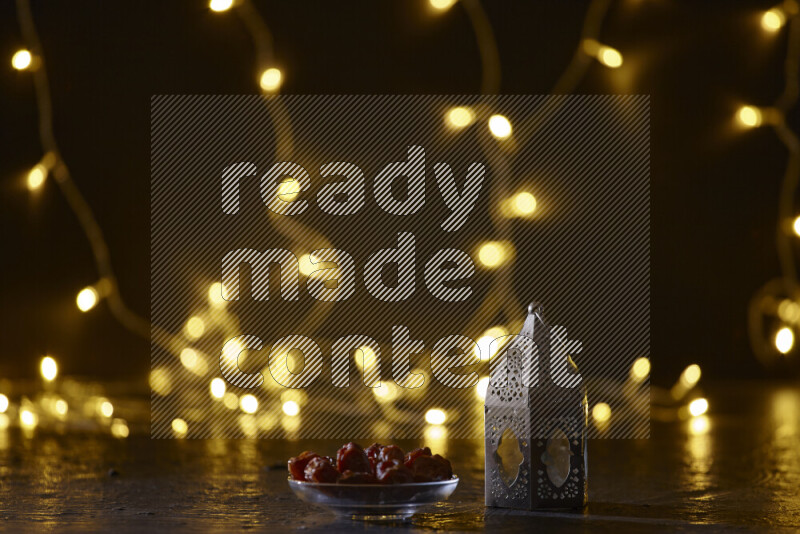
[[714, 187]]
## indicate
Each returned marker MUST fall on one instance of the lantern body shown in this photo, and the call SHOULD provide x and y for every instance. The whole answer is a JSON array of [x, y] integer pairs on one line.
[[542, 417]]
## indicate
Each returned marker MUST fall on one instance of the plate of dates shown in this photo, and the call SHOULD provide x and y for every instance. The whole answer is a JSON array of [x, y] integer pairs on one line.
[[376, 483]]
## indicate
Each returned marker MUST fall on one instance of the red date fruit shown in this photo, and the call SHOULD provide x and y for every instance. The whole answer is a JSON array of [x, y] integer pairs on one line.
[[416, 453], [391, 452], [297, 465], [372, 453], [394, 472], [353, 477], [352, 457], [431, 468], [320, 469]]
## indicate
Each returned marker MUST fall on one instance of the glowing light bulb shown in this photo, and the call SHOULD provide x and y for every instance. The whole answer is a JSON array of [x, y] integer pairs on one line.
[[248, 403], [784, 340], [698, 407], [28, 419], [48, 368], [459, 117], [271, 79], [691, 375], [217, 388], [773, 20], [640, 369], [106, 409], [523, 204], [601, 412], [288, 190], [796, 225], [435, 416], [493, 254], [484, 346], [386, 392], [3, 403], [21, 59], [307, 264], [36, 177], [482, 387], [608, 56], [442, 5], [749, 116], [291, 408], [87, 299], [195, 327], [179, 426], [499, 126], [220, 5]]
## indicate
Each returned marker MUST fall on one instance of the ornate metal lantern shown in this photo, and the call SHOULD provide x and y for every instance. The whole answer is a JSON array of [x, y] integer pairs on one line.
[[535, 418]]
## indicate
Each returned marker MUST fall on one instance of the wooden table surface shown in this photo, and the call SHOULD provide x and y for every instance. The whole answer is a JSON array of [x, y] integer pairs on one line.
[[743, 473]]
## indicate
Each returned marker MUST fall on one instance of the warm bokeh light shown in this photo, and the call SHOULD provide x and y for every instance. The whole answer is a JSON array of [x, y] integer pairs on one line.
[[87, 299], [773, 20], [784, 340], [691, 375], [484, 347], [459, 117], [288, 190], [48, 368], [796, 225], [291, 408], [179, 426], [601, 412], [789, 311], [160, 381], [230, 400], [215, 295], [217, 388], [119, 428], [500, 126], [386, 391], [3, 403], [28, 419], [61, 407], [523, 204], [699, 425], [435, 416], [307, 264], [271, 79], [248, 403], [36, 177], [220, 5], [608, 56], [442, 5], [749, 116], [106, 409], [369, 359], [482, 387], [640, 369], [21, 59], [698, 407], [493, 254], [195, 327], [191, 360]]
